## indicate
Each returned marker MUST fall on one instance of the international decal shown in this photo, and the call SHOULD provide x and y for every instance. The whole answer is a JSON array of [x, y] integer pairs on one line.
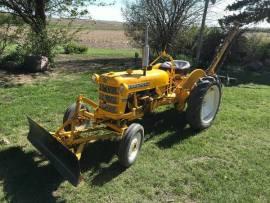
[[139, 85]]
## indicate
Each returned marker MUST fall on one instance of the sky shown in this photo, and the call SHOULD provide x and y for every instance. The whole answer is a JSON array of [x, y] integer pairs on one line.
[[110, 13], [113, 13]]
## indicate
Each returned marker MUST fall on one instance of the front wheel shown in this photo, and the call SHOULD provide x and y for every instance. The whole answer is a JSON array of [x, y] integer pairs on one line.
[[203, 103], [130, 145], [69, 113]]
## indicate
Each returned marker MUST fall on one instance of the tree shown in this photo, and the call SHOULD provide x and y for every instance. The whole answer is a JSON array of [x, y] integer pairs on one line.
[[248, 11], [166, 18], [200, 41], [35, 13], [8, 34]]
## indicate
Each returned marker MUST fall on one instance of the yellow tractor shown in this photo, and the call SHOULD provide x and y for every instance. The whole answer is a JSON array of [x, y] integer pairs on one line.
[[125, 97]]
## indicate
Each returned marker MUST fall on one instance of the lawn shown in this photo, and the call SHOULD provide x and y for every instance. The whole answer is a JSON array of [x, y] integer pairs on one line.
[[103, 53], [229, 162]]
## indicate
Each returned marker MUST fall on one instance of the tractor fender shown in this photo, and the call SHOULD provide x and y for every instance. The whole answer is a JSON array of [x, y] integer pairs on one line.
[[186, 86], [192, 79]]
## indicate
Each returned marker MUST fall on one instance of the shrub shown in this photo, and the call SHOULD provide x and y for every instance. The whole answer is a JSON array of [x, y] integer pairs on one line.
[[186, 41], [212, 40], [266, 51], [249, 48], [17, 56], [185, 58], [10, 31], [73, 48], [45, 43]]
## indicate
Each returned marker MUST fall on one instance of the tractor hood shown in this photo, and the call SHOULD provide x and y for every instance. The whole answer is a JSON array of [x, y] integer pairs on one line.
[[135, 79]]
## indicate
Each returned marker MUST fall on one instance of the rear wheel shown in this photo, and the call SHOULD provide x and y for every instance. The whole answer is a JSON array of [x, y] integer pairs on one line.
[[69, 113], [130, 145], [203, 103]]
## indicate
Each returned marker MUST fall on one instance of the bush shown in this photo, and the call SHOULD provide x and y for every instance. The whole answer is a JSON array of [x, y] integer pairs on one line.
[[186, 41], [73, 48], [11, 29], [185, 58], [249, 48], [44, 43], [12, 61], [212, 40], [17, 56]]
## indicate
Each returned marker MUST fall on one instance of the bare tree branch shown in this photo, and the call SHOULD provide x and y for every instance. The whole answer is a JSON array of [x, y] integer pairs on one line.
[[165, 17]]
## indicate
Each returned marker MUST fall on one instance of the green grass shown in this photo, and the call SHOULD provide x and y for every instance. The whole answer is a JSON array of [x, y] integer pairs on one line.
[[229, 162], [93, 52], [106, 53], [101, 52]]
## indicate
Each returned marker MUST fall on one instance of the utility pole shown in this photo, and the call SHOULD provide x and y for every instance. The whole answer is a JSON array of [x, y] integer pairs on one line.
[[200, 39]]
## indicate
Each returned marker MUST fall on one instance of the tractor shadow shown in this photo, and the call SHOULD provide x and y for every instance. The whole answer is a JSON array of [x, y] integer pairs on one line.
[[169, 121], [29, 177], [25, 177], [98, 162]]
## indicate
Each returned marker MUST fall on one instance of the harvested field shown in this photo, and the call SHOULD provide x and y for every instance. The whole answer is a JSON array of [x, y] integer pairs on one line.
[[97, 34], [115, 39]]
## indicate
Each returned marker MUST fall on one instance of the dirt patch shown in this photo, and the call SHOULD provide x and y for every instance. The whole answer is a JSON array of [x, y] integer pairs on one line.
[[73, 63], [67, 64], [17, 79]]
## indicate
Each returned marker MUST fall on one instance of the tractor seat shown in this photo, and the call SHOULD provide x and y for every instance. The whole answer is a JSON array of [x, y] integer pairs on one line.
[[180, 65]]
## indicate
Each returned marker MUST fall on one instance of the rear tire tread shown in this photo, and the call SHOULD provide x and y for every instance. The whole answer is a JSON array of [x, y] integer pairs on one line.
[[195, 101]]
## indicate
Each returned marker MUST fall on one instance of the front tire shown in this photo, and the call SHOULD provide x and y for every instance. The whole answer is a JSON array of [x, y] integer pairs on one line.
[[69, 113], [130, 145], [203, 103]]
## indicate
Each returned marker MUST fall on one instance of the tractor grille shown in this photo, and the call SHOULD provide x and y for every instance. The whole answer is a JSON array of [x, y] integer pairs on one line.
[[109, 108], [108, 98], [108, 89]]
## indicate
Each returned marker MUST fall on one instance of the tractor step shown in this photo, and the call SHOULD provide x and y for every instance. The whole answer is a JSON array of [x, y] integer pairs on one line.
[[59, 155]]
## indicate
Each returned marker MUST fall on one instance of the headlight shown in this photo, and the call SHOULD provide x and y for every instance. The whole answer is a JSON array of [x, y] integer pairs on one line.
[[122, 88], [95, 78]]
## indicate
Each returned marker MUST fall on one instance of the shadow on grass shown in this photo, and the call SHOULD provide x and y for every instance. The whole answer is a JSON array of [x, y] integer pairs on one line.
[[169, 121], [98, 158], [98, 65], [27, 177], [26, 180], [19, 78], [10, 79]]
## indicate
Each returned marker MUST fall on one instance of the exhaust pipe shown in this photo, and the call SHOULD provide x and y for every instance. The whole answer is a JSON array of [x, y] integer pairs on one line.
[[146, 51]]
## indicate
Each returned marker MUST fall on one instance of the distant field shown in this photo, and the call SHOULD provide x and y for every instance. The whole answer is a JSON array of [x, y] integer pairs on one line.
[[111, 35], [87, 24], [104, 39], [263, 36], [97, 34]]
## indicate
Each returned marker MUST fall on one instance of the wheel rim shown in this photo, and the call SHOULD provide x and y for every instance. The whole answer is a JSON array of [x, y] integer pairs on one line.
[[134, 147], [210, 104]]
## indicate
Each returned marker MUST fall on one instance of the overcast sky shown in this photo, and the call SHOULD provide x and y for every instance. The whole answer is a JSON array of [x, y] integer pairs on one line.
[[113, 13]]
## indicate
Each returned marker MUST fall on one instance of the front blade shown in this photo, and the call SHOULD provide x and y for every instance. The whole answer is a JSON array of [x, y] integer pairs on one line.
[[59, 155]]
